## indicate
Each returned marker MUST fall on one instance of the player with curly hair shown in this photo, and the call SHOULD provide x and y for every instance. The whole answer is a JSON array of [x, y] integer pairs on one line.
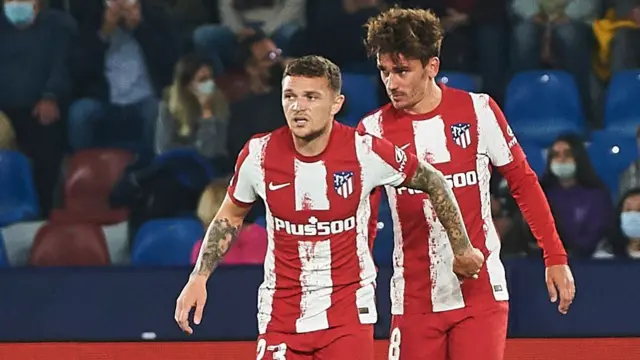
[[437, 315]]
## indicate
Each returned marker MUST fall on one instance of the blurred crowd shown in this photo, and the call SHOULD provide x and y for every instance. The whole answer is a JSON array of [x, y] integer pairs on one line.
[[181, 85]]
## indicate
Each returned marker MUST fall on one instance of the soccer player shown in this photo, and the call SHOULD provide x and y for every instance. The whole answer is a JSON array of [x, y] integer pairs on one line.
[[464, 135], [315, 177]]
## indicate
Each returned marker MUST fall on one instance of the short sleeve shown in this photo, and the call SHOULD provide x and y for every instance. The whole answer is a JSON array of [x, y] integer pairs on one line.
[[501, 144], [242, 190], [387, 163]]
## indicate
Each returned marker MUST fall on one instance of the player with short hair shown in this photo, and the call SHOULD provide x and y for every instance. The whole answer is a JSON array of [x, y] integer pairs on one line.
[[464, 135], [316, 176]]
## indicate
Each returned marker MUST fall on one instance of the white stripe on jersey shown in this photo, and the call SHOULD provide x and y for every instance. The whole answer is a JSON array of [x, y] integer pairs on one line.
[[430, 137], [365, 295], [311, 191], [397, 280], [486, 123], [316, 285]]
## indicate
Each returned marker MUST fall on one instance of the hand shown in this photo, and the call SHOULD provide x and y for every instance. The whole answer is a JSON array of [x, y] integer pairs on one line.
[[468, 265], [194, 294], [46, 111], [112, 15], [245, 33], [132, 14], [560, 280]]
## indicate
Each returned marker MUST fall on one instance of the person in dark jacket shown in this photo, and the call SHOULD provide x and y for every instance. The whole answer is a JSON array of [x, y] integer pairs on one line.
[[123, 58], [36, 88]]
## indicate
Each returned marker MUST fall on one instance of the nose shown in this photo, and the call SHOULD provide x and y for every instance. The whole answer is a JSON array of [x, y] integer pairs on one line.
[[298, 105], [391, 83]]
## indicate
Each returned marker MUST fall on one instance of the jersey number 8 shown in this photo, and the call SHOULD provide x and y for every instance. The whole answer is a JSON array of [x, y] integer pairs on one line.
[[279, 351], [394, 344]]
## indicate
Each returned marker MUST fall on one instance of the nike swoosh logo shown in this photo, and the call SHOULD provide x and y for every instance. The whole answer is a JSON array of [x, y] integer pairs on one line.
[[274, 187], [405, 146]]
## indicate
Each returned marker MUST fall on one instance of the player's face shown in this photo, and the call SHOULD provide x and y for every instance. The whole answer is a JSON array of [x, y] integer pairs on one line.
[[406, 80], [309, 105]]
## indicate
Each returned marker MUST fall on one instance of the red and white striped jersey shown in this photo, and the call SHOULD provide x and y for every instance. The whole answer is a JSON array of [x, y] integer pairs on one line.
[[318, 270], [462, 137]]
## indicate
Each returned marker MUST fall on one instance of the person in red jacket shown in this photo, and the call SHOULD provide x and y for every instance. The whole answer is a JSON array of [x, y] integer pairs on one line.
[[465, 135]]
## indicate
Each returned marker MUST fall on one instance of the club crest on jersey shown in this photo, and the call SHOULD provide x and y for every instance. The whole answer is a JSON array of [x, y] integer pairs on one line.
[[461, 134], [343, 183]]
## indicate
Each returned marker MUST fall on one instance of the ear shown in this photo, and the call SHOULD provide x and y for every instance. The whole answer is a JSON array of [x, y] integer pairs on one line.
[[433, 67], [337, 104]]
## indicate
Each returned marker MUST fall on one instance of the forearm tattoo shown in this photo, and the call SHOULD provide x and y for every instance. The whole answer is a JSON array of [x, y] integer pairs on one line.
[[430, 180], [218, 240]]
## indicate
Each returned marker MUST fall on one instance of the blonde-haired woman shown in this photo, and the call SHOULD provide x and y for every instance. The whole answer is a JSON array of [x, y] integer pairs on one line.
[[250, 246], [193, 113]]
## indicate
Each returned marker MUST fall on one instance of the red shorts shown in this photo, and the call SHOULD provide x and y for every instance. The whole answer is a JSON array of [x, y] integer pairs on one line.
[[340, 343], [477, 333]]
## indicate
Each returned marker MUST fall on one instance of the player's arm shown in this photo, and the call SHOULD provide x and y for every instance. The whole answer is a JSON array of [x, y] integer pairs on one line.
[[430, 180], [220, 236], [224, 228], [507, 156], [396, 168]]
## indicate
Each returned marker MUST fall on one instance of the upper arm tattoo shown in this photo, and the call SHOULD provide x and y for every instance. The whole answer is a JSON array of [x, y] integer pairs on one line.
[[431, 181], [220, 236]]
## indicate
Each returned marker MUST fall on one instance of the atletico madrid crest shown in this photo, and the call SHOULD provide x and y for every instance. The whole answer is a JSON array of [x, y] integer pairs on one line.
[[461, 135], [343, 183]]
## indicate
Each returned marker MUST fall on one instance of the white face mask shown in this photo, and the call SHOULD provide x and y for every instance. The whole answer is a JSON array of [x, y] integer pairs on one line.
[[205, 87]]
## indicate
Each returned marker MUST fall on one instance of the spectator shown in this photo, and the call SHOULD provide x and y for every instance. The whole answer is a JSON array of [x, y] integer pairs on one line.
[[123, 59], [278, 19], [630, 178], [580, 200], [617, 36], [35, 86], [625, 238], [557, 32], [250, 246], [260, 110], [475, 40], [194, 113]]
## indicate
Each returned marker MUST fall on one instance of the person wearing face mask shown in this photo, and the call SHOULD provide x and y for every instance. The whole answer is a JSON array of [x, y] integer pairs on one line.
[[194, 113], [625, 238], [190, 148], [581, 201], [36, 89]]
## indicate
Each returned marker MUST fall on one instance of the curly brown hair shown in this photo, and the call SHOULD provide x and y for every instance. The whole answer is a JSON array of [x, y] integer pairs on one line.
[[413, 33], [316, 66]]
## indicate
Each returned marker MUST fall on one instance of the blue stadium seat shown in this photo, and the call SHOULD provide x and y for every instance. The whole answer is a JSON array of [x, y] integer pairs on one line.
[[361, 97], [541, 105], [4, 261], [166, 242], [622, 104], [611, 154], [383, 245], [458, 80], [535, 157], [18, 198]]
